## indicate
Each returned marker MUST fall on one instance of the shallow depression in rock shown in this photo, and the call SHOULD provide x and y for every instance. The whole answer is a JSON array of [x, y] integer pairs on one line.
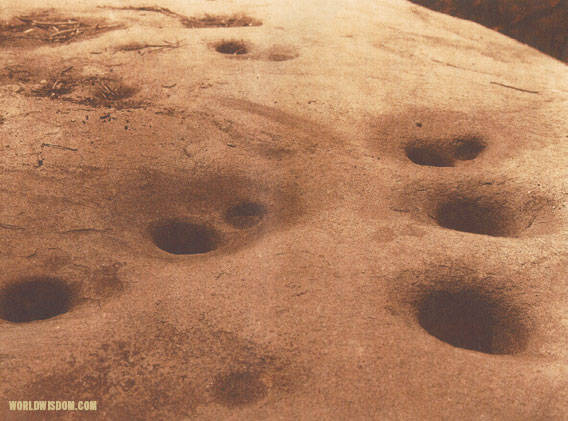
[[468, 149], [245, 214], [473, 321], [232, 47], [238, 388], [35, 299], [178, 237]]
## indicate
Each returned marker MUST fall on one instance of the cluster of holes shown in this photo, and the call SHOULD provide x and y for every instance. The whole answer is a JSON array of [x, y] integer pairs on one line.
[[239, 388], [35, 299], [465, 319], [180, 237], [468, 319], [472, 320], [471, 215], [44, 298], [423, 152]]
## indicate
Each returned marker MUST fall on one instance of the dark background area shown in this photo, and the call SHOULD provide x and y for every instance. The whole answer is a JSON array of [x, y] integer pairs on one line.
[[542, 24]]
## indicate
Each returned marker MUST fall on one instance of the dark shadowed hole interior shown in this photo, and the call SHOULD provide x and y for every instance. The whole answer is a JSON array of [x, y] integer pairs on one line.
[[245, 214], [428, 155], [239, 388], [471, 216], [178, 237], [232, 47], [34, 299], [470, 320], [468, 149]]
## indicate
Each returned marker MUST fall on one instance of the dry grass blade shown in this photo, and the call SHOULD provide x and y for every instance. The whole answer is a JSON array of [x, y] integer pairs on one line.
[[138, 46], [34, 22], [221, 21], [54, 88], [109, 90], [57, 86], [156, 9], [207, 21]]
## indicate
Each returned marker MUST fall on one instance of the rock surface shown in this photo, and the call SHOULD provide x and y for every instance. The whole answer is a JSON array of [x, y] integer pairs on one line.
[[359, 212]]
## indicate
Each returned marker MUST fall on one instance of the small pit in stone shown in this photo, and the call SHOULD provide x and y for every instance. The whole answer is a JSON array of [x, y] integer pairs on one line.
[[475, 216], [238, 388], [178, 237], [231, 47], [245, 214], [472, 320], [35, 299]]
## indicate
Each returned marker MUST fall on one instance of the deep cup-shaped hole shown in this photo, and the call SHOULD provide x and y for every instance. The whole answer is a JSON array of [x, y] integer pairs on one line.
[[473, 321], [469, 215], [35, 299], [428, 155], [444, 153], [178, 237], [245, 215]]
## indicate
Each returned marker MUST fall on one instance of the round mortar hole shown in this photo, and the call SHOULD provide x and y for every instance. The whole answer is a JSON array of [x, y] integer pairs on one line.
[[428, 155], [239, 388], [35, 299], [468, 149], [178, 237], [232, 47], [473, 321], [245, 215], [471, 216]]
